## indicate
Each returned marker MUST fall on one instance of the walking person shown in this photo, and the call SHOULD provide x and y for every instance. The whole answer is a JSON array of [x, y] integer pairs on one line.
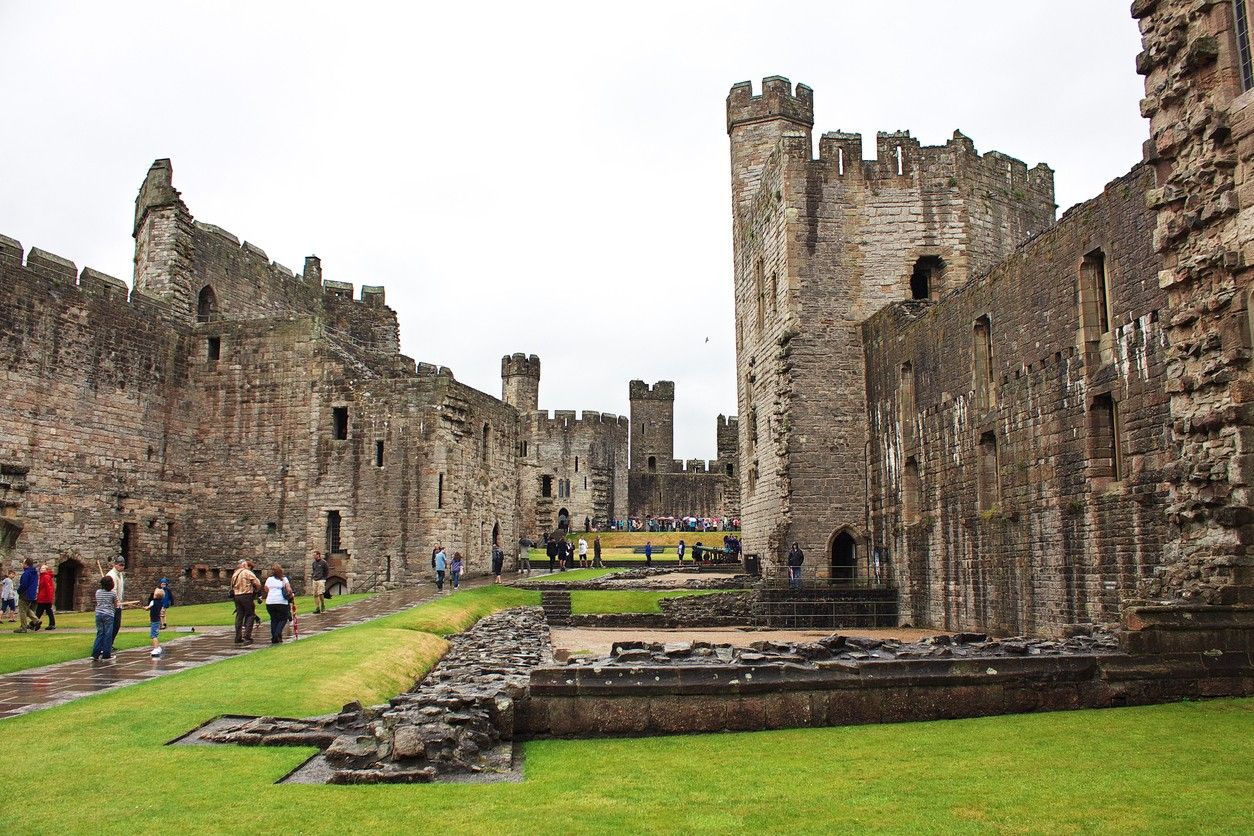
[[596, 552], [106, 603], [44, 597], [27, 591], [156, 605], [441, 566], [498, 561], [583, 553], [167, 601], [456, 569], [795, 558], [118, 573], [318, 574], [648, 552], [680, 549], [566, 551], [8, 598], [244, 589], [524, 556], [278, 603]]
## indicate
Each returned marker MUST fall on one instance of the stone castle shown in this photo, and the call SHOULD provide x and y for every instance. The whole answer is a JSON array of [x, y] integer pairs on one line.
[[227, 408], [1023, 424]]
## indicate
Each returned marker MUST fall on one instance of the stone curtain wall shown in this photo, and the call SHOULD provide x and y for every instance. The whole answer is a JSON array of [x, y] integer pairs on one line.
[[598, 480], [1057, 541], [820, 245], [90, 419], [1201, 150]]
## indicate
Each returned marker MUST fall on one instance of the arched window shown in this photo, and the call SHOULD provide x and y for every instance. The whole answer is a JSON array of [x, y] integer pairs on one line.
[[652, 463], [206, 305]]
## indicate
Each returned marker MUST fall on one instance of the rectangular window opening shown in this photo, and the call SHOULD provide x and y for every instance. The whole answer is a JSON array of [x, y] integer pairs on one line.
[[378, 454], [1107, 450], [272, 528], [759, 281], [334, 546], [989, 473], [127, 547], [213, 349], [1241, 23], [546, 486], [1097, 287], [910, 492], [439, 491], [339, 423], [169, 539], [982, 363]]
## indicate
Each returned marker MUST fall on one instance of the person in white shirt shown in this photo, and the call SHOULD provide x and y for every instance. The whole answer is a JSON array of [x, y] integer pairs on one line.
[[118, 573], [278, 603], [583, 553], [8, 597]]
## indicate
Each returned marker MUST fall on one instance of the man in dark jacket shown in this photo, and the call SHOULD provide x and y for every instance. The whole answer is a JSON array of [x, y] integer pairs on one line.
[[27, 592], [795, 558], [550, 549]]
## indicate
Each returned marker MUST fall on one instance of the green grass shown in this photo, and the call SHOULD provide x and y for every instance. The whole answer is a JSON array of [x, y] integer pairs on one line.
[[587, 602], [1180, 768], [572, 575], [459, 610], [197, 615], [34, 650]]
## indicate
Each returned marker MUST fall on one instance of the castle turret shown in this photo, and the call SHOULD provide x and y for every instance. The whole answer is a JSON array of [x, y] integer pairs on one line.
[[652, 426], [755, 124], [163, 243], [520, 381]]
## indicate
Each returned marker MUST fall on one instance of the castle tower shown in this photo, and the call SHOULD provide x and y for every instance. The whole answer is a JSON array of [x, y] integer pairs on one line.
[[520, 381], [652, 426], [820, 246], [163, 244]]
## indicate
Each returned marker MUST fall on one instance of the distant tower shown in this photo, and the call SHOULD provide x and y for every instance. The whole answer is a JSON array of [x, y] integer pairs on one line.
[[652, 426], [520, 381]]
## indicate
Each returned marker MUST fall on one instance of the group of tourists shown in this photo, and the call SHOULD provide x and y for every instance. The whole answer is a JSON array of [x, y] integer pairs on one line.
[[109, 599], [27, 599], [563, 554], [247, 590]]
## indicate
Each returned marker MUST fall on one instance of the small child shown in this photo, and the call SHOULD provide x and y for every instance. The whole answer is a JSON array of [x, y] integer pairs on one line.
[[8, 598], [155, 607], [457, 569], [167, 601]]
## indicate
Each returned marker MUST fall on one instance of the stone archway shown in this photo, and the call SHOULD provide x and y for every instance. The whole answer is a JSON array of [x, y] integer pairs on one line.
[[563, 520], [844, 557], [336, 586], [69, 580]]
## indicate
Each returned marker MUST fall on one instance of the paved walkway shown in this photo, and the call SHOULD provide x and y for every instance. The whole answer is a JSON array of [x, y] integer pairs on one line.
[[30, 690]]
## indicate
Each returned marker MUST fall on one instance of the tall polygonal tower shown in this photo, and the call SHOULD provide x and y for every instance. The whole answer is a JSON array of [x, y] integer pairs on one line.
[[652, 426], [520, 381], [163, 243], [820, 245]]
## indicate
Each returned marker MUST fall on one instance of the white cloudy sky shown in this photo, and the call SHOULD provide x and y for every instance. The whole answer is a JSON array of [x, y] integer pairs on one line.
[[541, 177]]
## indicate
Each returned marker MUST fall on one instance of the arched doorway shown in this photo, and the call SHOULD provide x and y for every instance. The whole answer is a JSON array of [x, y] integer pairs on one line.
[[68, 574], [206, 305], [563, 520], [336, 586], [844, 557], [496, 534]]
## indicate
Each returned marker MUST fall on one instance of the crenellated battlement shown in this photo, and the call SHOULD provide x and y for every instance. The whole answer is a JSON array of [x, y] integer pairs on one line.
[[520, 365], [776, 101], [565, 420], [663, 390]]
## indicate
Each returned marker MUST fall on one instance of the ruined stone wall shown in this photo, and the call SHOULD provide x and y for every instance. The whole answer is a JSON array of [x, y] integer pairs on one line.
[[1202, 152], [589, 454], [1057, 540], [93, 434], [820, 245]]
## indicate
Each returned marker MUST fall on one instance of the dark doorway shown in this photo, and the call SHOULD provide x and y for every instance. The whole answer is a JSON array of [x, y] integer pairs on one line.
[[926, 277], [844, 557], [563, 519], [496, 534], [67, 584], [127, 546], [206, 305]]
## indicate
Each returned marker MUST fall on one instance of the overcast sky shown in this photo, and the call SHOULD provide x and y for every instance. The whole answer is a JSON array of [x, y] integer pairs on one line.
[[539, 177]]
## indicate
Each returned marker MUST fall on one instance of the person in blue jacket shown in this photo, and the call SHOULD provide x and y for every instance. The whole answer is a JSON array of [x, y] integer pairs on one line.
[[27, 590], [167, 601]]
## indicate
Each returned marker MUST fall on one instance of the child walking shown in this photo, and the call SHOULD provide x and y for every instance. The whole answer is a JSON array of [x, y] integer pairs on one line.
[[106, 604], [457, 569], [155, 605], [8, 598]]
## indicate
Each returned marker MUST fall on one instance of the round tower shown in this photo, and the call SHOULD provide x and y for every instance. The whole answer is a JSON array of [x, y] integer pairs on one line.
[[520, 381]]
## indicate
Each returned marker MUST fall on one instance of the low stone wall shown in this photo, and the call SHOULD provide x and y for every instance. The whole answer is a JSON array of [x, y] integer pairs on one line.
[[662, 689], [641, 579], [719, 609]]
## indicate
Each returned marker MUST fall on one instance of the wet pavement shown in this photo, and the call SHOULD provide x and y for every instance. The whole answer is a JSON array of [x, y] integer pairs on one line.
[[30, 690]]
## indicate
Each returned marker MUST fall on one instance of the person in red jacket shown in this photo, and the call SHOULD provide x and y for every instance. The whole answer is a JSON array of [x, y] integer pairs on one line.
[[45, 596]]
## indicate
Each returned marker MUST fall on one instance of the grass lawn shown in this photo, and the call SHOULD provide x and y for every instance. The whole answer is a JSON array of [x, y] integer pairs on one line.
[[628, 539], [586, 602], [540, 559], [34, 650], [1176, 768], [197, 615], [572, 575]]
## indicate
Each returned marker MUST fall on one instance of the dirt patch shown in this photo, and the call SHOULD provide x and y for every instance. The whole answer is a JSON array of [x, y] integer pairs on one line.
[[675, 579], [598, 641]]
